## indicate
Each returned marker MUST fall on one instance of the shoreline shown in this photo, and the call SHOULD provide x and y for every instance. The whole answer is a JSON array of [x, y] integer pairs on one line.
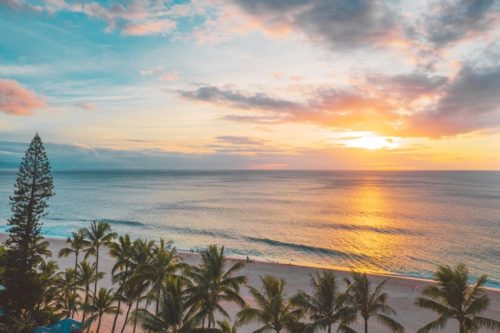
[[300, 265], [303, 265], [402, 290]]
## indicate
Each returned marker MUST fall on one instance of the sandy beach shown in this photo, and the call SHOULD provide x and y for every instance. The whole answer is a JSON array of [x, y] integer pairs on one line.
[[402, 291]]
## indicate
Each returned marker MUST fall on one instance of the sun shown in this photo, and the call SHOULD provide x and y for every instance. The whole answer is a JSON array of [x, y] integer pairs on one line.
[[371, 142]]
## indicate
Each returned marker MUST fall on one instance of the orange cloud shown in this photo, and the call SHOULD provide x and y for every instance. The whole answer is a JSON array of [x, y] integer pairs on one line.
[[410, 105], [149, 28], [18, 100]]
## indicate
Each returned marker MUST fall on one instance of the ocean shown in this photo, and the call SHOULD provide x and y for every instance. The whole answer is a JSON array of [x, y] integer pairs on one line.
[[403, 223]]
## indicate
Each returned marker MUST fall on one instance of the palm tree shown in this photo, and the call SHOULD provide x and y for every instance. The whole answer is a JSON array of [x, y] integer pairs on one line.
[[141, 254], [172, 316], [453, 298], [370, 302], [67, 297], [102, 303], [41, 246], [130, 293], [48, 278], [98, 235], [326, 306], [77, 244], [214, 284], [161, 265], [225, 327], [273, 311], [86, 275], [122, 252]]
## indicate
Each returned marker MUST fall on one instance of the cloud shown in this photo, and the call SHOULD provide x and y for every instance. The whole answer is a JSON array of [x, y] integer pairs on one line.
[[449, 21], [238, 99], [406, 105], [238, 140], [161, 73], [337, 23], [18, 100], [132, 18], [262, 120], [170, 76], [408, 86], [83, 157], [155, 70], [86, 106], [149, 28], [470, 103], [326, 107]]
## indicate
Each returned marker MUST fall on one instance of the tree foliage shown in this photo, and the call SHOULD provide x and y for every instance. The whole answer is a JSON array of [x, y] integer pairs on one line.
[[26, 248], [454, 298]]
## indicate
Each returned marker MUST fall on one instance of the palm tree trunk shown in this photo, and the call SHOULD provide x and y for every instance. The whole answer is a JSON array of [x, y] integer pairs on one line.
[[158, 302], [85, 303], [76, 262], [366, 325], [119, 303], [99, 325], [135, 318], [96, 269], [462, 326], [116, 315], [88, 327], [126, 317], [72, 311]]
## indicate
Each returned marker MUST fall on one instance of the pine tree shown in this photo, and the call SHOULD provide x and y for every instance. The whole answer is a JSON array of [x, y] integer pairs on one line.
[[25, 250]]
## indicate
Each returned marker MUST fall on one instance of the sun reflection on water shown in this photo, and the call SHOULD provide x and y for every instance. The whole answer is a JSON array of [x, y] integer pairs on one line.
[[372, 238]]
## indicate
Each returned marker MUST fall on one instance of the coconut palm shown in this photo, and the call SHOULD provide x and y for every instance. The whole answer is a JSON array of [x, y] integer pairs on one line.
[[102, 303], [326, 306], [86, 275], [161, 265], [453, 298], [122, 252], [48, 277], [130, 294], [76, 245], [172, 316], [98, 235], [41, 246], [213, 284], [67, 297], [273, 311], [225, 327], [141, 254], [371, 302]]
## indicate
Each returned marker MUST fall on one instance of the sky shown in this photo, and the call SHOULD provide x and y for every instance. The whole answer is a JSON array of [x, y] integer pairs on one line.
[[252, 84]]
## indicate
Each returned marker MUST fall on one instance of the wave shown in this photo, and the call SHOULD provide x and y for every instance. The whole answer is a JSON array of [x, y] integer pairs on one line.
[[191, 205], [379, 230], [201, 232], [110, 221], [123, 222], [307, 248]]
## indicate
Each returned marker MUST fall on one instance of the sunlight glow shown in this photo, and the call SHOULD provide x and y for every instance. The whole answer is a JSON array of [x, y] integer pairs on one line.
[[371, 142]]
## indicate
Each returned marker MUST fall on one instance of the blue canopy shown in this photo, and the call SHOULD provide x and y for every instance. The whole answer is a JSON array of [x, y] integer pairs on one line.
[[67, 325]]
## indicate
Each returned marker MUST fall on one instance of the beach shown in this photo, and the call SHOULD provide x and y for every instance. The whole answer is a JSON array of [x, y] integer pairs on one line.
[[402, 291]]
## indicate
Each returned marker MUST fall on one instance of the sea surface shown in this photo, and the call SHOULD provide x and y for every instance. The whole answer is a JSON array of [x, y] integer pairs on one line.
[[393, 222]]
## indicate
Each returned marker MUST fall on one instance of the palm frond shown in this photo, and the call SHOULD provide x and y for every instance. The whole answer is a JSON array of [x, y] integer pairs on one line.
[[392, 324]]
